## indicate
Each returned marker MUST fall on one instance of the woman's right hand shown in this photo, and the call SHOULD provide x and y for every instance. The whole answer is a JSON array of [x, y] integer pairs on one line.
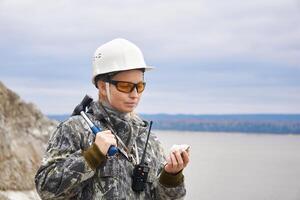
[[104, 140]]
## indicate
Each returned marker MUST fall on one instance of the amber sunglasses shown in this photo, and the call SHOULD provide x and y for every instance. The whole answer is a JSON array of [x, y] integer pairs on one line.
[[128, 87]]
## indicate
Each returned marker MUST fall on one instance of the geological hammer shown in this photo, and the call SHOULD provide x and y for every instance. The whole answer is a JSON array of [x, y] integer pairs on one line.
[[80, 110]]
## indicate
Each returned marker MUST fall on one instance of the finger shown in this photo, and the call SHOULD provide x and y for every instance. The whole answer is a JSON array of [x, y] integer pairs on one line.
[[110, 135], [185, 158], [113, 141], [102, 133], [169, 161], [108, 140], [104, 136], [179, 159], [187, 151], [108, 132], [174, 161]]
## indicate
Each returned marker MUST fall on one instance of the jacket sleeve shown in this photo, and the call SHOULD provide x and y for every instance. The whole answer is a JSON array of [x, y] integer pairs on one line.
[[64, 170], [167, 186]]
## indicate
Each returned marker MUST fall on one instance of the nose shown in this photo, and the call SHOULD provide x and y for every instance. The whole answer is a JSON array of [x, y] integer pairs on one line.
[[134, 93]]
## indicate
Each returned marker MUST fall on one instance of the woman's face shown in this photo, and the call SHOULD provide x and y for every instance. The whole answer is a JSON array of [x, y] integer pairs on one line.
[[124, 102]]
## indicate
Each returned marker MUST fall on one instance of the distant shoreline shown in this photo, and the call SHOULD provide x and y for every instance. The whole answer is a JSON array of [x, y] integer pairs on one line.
[[239, 123]]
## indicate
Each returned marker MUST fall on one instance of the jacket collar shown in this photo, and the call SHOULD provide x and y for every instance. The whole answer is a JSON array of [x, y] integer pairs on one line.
[[128, 126]]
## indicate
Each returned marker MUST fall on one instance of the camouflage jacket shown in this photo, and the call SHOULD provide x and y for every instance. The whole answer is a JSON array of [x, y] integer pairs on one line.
[[65, 174]]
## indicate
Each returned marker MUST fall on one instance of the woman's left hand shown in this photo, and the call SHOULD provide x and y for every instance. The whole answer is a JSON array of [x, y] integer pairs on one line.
[[176, 161]]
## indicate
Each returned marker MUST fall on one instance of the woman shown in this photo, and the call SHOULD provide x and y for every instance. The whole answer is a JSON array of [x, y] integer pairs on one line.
[[77, 165]]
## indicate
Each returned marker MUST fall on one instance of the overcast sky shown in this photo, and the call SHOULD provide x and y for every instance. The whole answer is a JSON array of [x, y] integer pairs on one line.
[[211, 57]]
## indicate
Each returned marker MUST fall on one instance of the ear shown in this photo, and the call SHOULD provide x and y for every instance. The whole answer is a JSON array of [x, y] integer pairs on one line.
[[101, 89]]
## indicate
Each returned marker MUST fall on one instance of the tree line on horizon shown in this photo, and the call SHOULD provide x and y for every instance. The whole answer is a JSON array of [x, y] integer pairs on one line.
[[248, 123]]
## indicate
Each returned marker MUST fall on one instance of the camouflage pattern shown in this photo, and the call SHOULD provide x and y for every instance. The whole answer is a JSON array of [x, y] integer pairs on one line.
[[64, 173]]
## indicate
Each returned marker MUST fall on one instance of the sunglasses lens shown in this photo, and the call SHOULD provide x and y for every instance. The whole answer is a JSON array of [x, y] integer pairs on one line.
[[124, 86], [140, 87]]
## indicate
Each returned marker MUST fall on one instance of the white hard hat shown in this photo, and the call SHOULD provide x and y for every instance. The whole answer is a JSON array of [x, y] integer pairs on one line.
[[117, 55]]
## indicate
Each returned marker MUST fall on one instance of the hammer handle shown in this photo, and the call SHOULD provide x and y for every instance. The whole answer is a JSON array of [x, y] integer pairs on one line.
[[112, 149]]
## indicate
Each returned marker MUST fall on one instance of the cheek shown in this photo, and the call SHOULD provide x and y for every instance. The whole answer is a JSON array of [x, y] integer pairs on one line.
[[118, 97]]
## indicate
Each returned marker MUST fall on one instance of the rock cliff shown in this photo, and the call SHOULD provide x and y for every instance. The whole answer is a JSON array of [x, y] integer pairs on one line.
[[24, 132]]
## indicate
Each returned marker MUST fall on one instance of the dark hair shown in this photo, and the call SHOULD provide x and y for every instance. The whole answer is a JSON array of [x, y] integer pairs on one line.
[[110, 75], [103, 77]]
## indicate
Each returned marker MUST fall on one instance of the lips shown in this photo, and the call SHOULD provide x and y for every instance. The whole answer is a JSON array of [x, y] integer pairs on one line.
[[131, 103]]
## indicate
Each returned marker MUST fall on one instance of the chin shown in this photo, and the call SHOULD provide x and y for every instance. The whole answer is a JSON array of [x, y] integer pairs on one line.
[[128, 109]]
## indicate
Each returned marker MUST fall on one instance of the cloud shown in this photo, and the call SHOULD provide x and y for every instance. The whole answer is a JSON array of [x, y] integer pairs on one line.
[[203, 47], [194, 29], [220, 101]]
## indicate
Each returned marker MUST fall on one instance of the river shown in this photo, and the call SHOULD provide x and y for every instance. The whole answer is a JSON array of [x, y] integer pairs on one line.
[[235, 166]]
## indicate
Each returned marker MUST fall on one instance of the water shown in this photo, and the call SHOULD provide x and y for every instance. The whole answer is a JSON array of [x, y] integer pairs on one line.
[[232, 166]]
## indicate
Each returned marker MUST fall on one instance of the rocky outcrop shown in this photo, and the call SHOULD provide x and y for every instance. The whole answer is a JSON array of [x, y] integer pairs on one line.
[[24, 132]]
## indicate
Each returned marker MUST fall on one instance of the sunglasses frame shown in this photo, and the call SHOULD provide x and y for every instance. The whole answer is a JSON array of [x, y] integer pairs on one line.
[[135, 85]]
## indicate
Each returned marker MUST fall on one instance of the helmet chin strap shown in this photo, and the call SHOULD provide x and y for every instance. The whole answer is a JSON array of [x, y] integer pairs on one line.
[[107, 92]]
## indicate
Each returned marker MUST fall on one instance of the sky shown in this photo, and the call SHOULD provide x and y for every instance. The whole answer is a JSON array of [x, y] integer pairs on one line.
[[211, 57]]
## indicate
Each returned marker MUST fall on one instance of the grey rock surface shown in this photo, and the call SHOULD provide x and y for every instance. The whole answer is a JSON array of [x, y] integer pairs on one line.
[[24, 132]]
